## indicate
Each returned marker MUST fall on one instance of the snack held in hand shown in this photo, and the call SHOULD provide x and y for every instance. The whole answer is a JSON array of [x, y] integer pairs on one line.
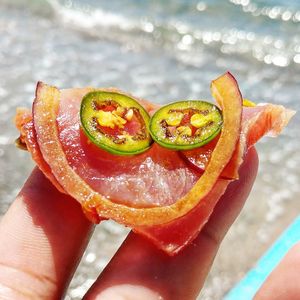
[[159, 170]]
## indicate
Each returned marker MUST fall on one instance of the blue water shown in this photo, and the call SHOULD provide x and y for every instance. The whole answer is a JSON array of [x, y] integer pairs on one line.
[[162, 51]]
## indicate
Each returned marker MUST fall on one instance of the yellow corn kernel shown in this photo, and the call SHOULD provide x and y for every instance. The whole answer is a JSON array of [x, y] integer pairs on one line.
[[110, 119], [198, 120], [184, 130], [174, 118], [248, 103], [129, 115], [106, 119]]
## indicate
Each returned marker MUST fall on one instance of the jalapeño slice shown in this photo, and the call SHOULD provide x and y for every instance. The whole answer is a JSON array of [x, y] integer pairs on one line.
[[186, 124], [115, 122]]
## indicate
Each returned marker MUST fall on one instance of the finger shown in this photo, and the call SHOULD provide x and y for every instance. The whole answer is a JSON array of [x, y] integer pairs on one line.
[[283, 282], [140, 271], [230, 205], [42, 237]]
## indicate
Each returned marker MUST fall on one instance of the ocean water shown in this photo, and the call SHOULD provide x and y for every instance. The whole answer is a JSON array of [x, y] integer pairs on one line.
[[162, 51]]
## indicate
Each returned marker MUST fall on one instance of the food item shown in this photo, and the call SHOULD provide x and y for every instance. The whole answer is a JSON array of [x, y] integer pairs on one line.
[[115, 122], [156, 192], [186, 124]]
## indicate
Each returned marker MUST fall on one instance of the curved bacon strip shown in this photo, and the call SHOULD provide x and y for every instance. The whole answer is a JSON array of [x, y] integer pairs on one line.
[[24, 123], [45, 109]]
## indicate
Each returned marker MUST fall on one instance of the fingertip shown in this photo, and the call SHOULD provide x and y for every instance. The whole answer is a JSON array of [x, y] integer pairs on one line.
[[282, 283], [126, 291], [42, 237]]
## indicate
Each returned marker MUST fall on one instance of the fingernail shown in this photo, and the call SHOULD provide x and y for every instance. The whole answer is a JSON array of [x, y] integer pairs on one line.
[[128, 292]]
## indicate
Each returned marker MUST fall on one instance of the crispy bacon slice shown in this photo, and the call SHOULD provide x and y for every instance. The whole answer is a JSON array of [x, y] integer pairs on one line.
[[24, 123], [156, 193]]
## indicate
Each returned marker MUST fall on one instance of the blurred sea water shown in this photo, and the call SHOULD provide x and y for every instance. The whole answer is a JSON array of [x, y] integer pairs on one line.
[[162, 51]]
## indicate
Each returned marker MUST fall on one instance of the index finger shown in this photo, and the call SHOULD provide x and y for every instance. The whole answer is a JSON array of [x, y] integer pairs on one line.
[[42, 237], [140, 271]]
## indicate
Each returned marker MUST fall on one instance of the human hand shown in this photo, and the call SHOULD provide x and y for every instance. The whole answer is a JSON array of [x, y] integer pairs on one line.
[[44, 233]]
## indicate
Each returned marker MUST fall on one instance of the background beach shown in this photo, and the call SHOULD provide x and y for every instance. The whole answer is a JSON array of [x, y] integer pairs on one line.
[[162, 51]]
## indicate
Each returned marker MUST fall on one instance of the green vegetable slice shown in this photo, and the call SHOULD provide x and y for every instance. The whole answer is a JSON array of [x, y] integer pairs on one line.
[[115, 122], [186, 124]]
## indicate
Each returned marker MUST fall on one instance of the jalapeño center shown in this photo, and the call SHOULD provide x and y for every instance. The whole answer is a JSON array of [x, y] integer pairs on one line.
[[115, 122], [186, 124]]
